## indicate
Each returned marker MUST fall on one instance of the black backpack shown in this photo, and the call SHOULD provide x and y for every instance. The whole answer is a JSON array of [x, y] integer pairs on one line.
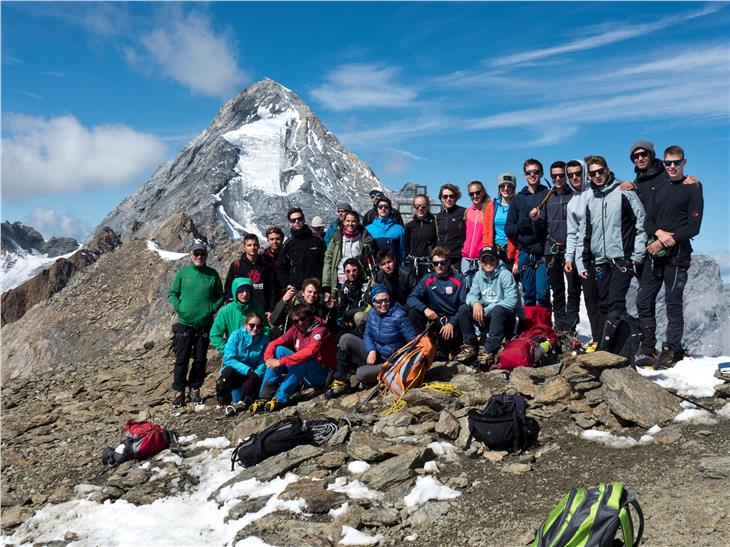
[[281, 437], [502, 424], [622, 336]]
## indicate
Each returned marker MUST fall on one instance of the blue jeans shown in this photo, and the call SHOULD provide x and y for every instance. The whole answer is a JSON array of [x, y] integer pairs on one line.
[[469, 267], [310, 371], [534, 279]]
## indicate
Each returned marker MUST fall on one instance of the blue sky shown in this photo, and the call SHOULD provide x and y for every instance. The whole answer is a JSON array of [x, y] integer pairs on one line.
[[95, 96]]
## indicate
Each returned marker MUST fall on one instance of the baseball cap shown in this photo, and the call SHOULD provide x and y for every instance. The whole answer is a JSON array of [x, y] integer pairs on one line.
[[507, 178], [199, 247], [488, 252]]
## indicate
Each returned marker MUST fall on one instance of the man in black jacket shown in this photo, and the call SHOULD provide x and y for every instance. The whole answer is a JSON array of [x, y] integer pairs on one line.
[[521, 224], [302, 255], [673, 217], [451, 223], [253, 266]]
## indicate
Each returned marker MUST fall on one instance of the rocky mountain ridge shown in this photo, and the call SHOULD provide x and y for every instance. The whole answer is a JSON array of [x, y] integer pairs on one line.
[[17, 237]]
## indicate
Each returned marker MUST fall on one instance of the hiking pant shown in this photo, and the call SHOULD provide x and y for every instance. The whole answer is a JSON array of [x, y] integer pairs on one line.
[[351, 354], [186, 342], [469, 267], [674, 279], [463, 330], [566, 315], [534, 279], [499, 322], [613, 284], [311, 372], [590, 298], [230, 380]]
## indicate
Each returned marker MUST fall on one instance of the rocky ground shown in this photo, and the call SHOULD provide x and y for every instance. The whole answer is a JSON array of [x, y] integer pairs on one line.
[[55, 426]]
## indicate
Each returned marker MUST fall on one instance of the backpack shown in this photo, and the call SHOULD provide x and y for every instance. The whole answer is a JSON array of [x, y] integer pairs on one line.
[[590, 517], [622, 337], [407, 366], [281, 437], [502, 424], [536, 315], [140, 440], [528, 349]]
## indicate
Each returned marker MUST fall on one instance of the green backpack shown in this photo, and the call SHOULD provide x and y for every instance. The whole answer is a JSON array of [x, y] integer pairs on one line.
[[590, 517]]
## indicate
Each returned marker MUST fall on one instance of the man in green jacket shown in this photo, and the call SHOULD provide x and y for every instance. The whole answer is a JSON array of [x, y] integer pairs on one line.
[[196, 294], [232, 316]]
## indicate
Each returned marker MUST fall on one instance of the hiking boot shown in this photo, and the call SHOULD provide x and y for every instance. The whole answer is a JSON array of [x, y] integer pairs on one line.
[[485, 359], [667, 358], [645, 360], [178, 399], [235, 408], [591, 347], [257, 406], [273, 405], [337, 388], [195, 397], [466, 354]]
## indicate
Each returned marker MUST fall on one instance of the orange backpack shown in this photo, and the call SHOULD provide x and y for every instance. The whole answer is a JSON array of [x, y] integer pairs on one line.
[[407, 366]]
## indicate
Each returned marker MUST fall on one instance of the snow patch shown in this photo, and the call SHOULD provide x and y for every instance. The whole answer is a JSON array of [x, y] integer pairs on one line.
[[358, 467], [614, 441], [695, 416], [18, 267], [351, 536], [153, 246], [213, 442], [431, 467], [429, 488], [653, 430], [443, 449], [354, 489], [337, 511], [691, 377]]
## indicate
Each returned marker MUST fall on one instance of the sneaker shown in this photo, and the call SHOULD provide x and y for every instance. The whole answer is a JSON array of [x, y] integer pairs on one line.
[[591, 347], [485, 359], [667, 358], [273, 405], [178, 400], [195, 397], [645, 360], [257, 406], [466, 353], [337, 388]]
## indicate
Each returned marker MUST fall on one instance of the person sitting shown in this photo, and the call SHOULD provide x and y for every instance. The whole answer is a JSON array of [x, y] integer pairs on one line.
[[348, 241], [396, 279], [232, 317], [441, 296], [309, 295], [243, 365], [387, 234], [352, 299], [387, 329], [495, 303], [303, 355]]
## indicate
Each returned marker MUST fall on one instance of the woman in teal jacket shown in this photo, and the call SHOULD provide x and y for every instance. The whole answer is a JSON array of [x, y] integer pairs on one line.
[[243, 363]]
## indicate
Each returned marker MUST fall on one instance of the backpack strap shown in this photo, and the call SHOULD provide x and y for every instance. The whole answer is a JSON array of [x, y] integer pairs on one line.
[[519, 419], [627, 527]]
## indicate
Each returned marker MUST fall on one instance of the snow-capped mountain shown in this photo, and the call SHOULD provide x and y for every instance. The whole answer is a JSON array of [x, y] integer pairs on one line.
[[25, 252], [265, 152]]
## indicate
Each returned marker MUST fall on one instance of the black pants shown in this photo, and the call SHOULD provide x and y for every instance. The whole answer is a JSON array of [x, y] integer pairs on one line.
[[351, 355], [463, 330], [613, 283], [188, 341], [498, 323], [565, 313], [590, 297], [231, 379], [674, 278]]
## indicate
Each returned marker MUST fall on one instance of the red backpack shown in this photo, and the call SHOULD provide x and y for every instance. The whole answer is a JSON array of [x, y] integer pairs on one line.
[[140, 440], [525, 350]]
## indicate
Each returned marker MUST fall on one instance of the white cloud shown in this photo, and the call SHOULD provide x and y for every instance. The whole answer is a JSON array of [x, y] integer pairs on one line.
[[60, 156], [363, 85], [53, 224], [186, 49], [396, 164], [612, 34]]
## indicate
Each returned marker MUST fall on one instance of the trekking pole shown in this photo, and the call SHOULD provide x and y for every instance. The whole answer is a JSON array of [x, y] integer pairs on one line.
[[698, 405]]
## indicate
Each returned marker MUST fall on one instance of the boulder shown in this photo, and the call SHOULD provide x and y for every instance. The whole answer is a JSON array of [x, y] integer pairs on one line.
[[447, 425], [435, 400], [635, 398], [601, 360], [553, 390], [396, 470], [315, 494], [363, 445]]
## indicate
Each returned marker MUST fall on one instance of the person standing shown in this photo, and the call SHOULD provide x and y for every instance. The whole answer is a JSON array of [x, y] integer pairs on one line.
[[451, 222], [494, 230], [372, 214], [613, 242], [196, 294], [274, 238], [385, 231], [253, 266], [421, 236], [342, 209], [476, 218], [521, 224], [302, 255], [673, 218]]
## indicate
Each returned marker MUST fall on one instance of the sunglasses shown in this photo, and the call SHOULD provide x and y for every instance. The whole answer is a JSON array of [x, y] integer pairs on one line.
[[351, 270], [420, 206], [557, 176], [640, 155], [532, 172], [381, 301], [505, 185], [575, 174], [300, 319], [294, 220], [597, 172], [200, 253], [675, 163], [475, 194], [254, 326], [439, 263], [384, 206], [448, 196], [489, 260], [340, 211]]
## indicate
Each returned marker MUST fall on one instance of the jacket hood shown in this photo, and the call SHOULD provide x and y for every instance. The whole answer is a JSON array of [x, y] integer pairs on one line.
[[610, 186], [239, 282], [585, 183], [650, 172], [387, 221], [526, 189]]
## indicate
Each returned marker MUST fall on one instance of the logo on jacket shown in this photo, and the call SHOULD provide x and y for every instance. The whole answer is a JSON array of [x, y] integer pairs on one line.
[[449, 290], [318, 337], [254, 276]]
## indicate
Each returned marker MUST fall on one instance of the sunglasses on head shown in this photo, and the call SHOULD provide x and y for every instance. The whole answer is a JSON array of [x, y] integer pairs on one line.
[[639, 155], [597, 172], [253, 326], [381, 301], [439, 262], [675, 163], [294, 220], [532, 172]]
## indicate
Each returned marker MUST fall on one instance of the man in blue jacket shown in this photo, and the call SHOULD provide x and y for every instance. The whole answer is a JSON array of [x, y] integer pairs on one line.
[[521, 224], [441, 296], [495, 303]]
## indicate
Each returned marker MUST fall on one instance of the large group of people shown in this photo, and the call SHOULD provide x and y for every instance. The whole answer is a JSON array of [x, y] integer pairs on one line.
[[316, 307]]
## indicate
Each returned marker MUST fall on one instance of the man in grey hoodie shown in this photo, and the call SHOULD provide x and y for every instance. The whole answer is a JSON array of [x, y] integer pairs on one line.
[[613, 236]]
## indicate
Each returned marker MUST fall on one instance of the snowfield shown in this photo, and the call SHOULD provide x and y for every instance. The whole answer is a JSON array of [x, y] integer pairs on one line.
[[20, 266]]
